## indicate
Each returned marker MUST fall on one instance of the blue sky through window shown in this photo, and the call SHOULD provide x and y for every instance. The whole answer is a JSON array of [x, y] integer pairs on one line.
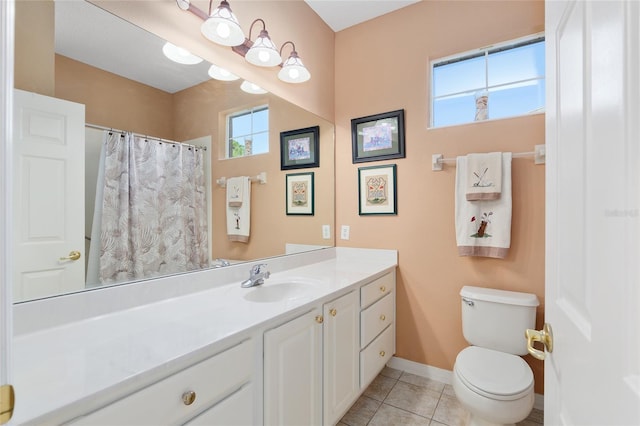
[[250, 125]]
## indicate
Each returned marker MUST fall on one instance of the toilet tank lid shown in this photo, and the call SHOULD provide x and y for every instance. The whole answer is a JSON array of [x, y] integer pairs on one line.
[[499, 296]]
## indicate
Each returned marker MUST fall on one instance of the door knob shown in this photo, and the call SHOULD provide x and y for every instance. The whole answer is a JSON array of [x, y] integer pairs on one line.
[[73, 255], [545, 336]]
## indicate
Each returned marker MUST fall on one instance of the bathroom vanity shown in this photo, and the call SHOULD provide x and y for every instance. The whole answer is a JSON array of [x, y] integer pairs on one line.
[[199, 349]]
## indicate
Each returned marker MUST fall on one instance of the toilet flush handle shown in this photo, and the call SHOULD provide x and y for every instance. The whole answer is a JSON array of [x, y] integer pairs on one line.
[[468, 301]]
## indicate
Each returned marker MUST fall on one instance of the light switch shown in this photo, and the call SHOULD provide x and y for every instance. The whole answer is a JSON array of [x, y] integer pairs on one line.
[[344, 232], [326, 232]]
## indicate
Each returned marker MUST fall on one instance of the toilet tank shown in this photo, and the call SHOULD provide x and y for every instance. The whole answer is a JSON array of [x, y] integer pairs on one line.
[[497, 319]]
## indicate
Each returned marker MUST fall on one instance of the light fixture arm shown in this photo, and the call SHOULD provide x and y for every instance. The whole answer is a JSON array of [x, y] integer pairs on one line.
[[264, 26], [288, 42]]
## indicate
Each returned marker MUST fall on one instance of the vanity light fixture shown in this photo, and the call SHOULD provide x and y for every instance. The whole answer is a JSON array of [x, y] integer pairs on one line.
[[293, 70], [180, 55], [222, 74], [252, 88], [222, 26], [262, 52]]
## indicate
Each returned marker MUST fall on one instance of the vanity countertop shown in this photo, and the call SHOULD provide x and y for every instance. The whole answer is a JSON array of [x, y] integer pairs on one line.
[[98, 359]]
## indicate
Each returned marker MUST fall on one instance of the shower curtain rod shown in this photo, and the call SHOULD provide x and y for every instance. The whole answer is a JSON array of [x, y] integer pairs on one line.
[[111, 129]]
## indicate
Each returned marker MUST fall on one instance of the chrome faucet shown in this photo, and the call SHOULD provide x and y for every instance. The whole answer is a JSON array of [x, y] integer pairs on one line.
[[256, 276], [219, 263]]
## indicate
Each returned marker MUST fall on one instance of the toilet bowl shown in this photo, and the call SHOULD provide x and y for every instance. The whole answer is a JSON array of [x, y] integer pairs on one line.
[[490, 379], [496, 388]]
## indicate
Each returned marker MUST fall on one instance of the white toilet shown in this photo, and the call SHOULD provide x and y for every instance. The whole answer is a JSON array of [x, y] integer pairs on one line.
[[490, 379]]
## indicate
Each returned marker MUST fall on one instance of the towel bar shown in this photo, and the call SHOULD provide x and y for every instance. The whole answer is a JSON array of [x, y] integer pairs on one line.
[[261, 178], [437, 160]]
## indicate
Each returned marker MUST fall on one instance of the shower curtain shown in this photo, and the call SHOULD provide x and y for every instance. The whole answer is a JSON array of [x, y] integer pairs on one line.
[[151, 212]]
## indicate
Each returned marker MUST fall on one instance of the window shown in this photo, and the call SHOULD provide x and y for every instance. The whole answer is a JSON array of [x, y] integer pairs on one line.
[[508, 79], [248, 132]]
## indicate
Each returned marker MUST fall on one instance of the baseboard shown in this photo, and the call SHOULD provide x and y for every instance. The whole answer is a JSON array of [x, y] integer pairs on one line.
[[439, 374]]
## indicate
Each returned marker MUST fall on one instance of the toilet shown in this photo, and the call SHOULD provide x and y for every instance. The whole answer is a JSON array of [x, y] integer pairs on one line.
[[490, 379]]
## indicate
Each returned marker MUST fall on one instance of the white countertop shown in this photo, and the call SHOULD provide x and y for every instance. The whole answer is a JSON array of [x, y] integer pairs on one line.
[[98, 359]]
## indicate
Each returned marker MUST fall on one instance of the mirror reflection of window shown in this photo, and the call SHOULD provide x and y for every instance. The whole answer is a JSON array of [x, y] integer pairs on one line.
[[248, 132]]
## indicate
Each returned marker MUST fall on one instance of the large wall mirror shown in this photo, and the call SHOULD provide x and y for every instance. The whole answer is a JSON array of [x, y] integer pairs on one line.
[[89, 62]]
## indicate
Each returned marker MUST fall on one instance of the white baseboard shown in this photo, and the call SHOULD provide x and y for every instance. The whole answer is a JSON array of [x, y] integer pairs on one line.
[[439, 374]]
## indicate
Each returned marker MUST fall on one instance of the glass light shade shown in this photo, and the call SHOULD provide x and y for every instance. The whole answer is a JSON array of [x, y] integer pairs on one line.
[[180, 55], [263, 53], [221, 74], [222, 27], [252, 88], [293, 70]]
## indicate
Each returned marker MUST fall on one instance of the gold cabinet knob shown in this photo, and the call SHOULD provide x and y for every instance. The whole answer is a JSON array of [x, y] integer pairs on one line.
[[188, 397], [319, 319], [383, 317], [73, 255], [333, 312], [383, 288], [382, 353]]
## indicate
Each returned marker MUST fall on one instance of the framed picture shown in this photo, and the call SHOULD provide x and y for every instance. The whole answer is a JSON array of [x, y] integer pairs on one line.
[[300, 193], [299, 148], [377, 190], [378, 137]]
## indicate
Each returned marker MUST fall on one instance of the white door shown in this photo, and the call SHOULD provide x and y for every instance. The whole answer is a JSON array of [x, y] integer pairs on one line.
[[48, 136], [592, 293], [293, 372]]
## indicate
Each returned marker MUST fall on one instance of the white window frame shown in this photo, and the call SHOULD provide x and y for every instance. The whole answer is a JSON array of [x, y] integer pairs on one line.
[[483, 51], [230, 116]]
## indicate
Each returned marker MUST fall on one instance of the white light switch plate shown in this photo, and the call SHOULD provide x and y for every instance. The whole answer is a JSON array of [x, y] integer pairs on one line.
[[326, 232], [344, 232]]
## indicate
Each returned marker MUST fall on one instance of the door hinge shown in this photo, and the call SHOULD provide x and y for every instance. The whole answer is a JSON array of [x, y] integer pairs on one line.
[[7, 402]]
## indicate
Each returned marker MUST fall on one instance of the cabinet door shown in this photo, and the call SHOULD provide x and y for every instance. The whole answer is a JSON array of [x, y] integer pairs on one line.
[[293, 372], [341, 356]]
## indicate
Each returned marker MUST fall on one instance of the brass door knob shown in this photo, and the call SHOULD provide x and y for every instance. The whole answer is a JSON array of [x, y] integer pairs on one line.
[[319, 319], [545, 336], [188, 397], [73, 255], [333, 312]]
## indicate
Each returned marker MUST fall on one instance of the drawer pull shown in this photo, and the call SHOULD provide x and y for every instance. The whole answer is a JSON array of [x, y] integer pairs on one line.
[[382, 317], [333, 312], [383, 289], [319, 319], [188, 397], [382, 353]]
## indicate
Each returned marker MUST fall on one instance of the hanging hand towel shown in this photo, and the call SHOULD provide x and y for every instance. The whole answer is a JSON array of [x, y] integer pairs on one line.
[[239, 217], [484, 176], [483, 228], [235, 189]]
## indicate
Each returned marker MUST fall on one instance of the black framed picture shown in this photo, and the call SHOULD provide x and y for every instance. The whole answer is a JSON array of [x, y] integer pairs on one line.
[[300, 193], [377, 190], [378, 137], [300, 148]]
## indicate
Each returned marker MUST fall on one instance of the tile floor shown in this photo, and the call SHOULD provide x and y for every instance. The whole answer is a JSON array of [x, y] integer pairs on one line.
[[399, 398]]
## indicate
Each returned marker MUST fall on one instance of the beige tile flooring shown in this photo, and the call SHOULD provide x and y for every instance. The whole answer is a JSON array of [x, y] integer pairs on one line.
[[400, 398]]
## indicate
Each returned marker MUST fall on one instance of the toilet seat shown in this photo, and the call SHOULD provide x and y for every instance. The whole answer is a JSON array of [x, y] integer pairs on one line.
[[493, 374]]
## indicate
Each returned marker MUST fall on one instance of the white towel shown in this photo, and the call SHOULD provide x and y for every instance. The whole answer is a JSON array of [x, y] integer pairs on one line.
[[483, 228], [239, 217], [484, 176], [235, 190]]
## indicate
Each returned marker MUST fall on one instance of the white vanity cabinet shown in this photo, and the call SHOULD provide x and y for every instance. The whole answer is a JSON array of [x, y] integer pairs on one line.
[[377, 326], [211, 389], [340, 350], [293, 371]]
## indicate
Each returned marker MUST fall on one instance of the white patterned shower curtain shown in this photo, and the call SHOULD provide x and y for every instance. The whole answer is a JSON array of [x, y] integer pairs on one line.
[[151, 210]]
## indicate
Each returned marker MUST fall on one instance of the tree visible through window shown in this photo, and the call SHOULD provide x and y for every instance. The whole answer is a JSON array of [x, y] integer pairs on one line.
[[248, 132], [497, 82]]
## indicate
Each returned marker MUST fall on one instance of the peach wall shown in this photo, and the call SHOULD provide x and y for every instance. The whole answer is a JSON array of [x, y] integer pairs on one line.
[[291, 20], [34, 46], [114, 101], [383, 65]]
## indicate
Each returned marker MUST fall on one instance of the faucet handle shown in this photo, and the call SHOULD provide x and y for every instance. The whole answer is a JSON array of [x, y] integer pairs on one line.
[[256, 269]]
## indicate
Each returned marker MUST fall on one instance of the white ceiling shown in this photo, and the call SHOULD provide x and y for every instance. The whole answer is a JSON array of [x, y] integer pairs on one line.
[[88, 34]]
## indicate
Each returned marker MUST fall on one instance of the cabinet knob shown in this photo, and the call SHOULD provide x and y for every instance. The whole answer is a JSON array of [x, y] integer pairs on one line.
[[383, 288], [382, 317], [188, 397], [319, 319], [333, 312], [382, 353]]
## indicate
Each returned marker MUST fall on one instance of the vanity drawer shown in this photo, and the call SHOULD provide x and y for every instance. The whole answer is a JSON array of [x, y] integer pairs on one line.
[[162, 402], [376, 355], [376, 318], [376, 289], [232, 411]]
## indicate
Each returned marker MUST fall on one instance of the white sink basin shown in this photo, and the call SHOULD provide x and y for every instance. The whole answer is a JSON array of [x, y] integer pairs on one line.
[[278, 290]]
